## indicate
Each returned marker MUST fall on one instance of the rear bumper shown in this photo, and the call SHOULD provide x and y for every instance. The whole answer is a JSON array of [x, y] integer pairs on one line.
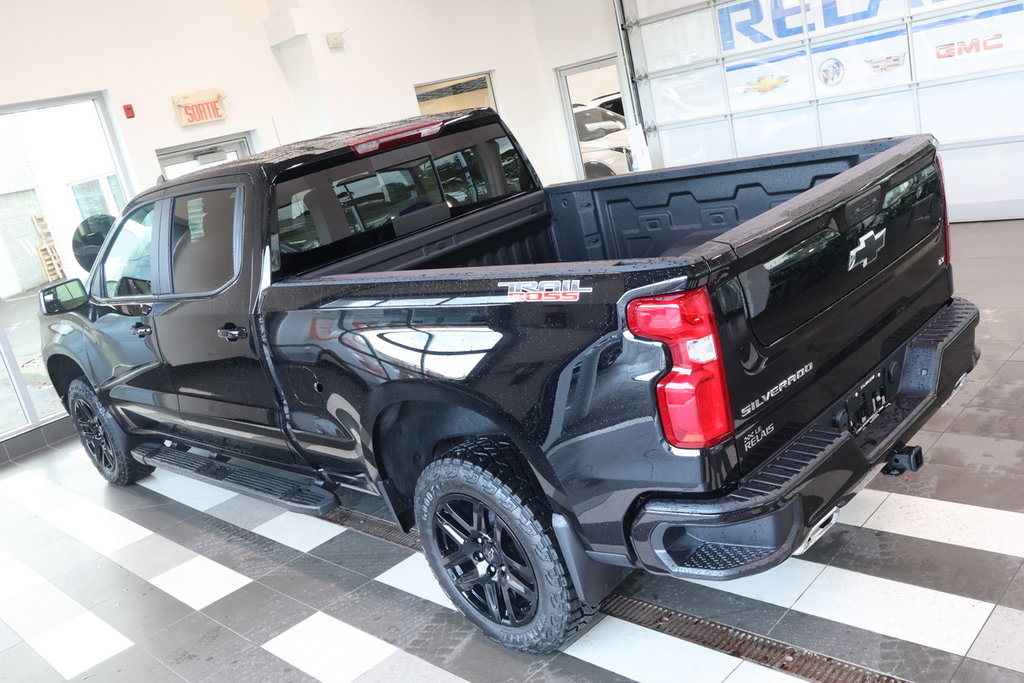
[[775, 507]]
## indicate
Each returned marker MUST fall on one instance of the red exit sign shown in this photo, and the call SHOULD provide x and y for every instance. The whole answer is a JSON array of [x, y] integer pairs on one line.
[[200, 107]]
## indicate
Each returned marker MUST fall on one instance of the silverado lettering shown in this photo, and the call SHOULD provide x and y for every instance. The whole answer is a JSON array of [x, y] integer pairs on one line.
[[776, 390]]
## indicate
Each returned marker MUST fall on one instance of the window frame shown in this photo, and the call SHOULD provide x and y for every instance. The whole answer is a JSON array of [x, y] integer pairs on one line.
[[165, 265], [97, 277]]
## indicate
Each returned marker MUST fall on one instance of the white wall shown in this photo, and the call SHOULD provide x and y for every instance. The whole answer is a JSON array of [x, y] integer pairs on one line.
[[142, 53]]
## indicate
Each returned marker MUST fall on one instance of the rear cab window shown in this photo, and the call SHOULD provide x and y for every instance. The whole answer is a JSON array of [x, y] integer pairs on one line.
[[328, 215]]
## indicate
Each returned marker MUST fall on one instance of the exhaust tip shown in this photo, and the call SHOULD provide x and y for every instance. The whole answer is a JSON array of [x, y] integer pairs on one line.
[[902, 459]]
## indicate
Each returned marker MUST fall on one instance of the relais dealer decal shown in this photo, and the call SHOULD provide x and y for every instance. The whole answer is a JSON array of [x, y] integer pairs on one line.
[[545, 290], [756, 24]]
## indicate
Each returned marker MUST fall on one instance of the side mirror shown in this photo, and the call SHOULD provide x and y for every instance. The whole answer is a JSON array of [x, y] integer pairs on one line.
[[88, 238], [62, 297]]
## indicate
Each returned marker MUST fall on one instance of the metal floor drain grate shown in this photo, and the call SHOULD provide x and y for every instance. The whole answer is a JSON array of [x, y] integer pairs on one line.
[[759, 649]]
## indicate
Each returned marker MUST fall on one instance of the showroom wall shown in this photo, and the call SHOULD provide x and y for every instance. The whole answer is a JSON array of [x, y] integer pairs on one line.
[[282, 81]]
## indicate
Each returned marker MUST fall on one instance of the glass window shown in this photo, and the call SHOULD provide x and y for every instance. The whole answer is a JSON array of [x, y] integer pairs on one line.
[[328, 215], [127, 267], [455, 94], [202, 241]]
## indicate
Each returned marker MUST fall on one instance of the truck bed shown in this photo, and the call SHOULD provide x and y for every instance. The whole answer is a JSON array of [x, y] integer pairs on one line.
[[642, 215]]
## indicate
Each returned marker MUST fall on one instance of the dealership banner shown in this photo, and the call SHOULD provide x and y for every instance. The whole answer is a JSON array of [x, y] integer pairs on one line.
[[757, 24], [990, 39]]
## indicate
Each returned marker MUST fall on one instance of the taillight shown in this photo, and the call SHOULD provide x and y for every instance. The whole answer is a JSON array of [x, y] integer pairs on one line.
[[693, 399], [945, 212], [379, 142]]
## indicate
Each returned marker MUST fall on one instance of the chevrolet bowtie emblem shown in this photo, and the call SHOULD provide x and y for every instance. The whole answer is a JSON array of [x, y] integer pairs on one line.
[[867, 251]]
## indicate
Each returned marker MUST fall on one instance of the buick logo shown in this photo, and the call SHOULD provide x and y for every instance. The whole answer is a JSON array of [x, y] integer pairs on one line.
[[867, 250]]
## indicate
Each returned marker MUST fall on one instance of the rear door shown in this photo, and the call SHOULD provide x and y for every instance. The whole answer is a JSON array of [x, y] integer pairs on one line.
[[225, 396]]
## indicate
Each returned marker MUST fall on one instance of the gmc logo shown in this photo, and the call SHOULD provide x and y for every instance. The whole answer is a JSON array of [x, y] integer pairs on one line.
[[961, 47]]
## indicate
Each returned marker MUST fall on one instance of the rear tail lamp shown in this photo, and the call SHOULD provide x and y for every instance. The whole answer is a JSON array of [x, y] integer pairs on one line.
[[396, 137], [693, 399]]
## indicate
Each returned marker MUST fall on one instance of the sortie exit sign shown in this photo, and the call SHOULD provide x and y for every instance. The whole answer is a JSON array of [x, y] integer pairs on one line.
[[199, 107]]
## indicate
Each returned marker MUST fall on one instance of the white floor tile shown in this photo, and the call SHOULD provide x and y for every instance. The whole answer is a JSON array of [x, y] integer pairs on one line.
[[38, 609], [79, 644], [100, 529], [863, 505], [1000, 641], [781, 585], [413, 575], [748, 672], [4, 554], [192, 492], [301, 532], [199, 582], [645, 655], [970, 526], [328, 649], [16, 577], [920, 615], [403, 666]]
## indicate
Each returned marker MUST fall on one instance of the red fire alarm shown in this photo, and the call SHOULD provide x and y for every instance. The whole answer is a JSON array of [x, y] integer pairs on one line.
[[129, 111]]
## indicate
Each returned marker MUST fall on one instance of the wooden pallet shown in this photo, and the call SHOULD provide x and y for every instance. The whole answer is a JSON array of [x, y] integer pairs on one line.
[[49, 259]]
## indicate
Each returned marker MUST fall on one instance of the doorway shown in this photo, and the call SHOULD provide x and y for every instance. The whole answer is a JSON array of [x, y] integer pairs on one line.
[[594, 109], [181, 159]]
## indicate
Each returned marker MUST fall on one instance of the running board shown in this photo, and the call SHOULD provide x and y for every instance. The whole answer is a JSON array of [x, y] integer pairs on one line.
[[308, 499]]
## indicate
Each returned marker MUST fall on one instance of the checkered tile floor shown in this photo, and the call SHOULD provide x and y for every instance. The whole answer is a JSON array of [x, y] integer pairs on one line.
[[173, 579]]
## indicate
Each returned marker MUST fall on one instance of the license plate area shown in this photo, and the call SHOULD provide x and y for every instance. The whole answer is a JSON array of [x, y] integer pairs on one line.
[[865, 404]]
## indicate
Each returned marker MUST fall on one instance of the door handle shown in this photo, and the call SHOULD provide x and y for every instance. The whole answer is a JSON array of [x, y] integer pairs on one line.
[[232, 333], [141, 330]]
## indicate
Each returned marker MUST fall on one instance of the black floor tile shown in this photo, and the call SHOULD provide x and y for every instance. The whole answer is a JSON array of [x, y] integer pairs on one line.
[[28, 442], [974, 671], [31, 534], [361, 553], [1014, 595], [257, 665], [244, 551], [568, 669], [313, 581], [958, 485], [387, 613], [948, 568], [708, 603], [141, 610], [257, 612], [197, 647], [455, 645], [983, 454], [98, 581], [994, 422], [131, 666], [873, 650], [160, 515]]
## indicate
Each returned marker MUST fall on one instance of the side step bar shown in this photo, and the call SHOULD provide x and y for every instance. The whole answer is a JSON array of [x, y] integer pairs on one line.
[[308, 499]]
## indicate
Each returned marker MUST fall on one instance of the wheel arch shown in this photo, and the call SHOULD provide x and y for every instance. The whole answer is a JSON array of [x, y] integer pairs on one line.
[[414, 426], [62, 369]]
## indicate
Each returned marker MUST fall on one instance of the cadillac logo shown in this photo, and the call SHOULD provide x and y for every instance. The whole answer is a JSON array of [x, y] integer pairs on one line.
[[867, 250]]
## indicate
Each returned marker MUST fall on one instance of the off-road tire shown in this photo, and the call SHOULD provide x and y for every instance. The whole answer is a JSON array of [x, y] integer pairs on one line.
[[488, 470], [106, 444]]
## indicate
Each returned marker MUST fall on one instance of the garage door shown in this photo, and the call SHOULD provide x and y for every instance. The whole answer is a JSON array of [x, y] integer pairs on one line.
[[722, 79]]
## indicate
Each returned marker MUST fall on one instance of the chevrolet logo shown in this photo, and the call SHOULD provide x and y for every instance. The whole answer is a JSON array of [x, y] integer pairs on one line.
[[867, 251]]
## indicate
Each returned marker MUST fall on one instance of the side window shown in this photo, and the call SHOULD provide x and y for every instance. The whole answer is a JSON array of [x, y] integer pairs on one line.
[[202, 241], [350, 208], [127, 266]]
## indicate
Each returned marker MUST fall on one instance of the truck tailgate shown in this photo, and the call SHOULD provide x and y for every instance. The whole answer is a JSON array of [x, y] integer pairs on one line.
[[831, 282]]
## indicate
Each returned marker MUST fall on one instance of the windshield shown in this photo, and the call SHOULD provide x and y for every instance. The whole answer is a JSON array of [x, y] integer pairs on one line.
[[595, 123]]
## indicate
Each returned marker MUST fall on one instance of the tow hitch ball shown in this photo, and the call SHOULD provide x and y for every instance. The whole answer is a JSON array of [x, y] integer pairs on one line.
[[903, 459]]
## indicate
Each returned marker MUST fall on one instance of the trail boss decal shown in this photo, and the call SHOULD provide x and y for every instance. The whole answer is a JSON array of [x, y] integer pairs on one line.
[[776, 390], [545, 290]]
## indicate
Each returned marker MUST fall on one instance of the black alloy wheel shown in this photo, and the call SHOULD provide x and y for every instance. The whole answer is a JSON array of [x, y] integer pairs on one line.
[[485, 560], [93, 436]]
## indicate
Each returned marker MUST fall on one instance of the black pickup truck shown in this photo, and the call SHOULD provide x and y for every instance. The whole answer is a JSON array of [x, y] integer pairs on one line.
[[686, 371]]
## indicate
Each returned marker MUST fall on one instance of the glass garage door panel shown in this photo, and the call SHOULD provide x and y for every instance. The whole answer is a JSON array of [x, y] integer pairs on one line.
[[11, 414], [696, 144], [867, 118]]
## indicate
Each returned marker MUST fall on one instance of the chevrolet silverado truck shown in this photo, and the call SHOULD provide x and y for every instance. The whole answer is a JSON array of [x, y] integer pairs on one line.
[[685, 371]]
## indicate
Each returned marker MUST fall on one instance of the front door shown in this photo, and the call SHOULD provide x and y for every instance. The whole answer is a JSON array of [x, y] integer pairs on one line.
[[225, 396], [125, 357]]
